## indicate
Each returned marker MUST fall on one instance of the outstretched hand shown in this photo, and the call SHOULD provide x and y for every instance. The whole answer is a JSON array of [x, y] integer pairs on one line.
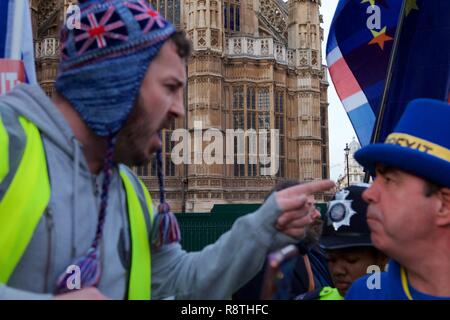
[[296, 209], [91, 293]]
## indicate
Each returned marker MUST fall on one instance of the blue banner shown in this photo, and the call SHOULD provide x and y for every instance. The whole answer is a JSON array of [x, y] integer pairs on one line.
[[358, 50], [422, 64]]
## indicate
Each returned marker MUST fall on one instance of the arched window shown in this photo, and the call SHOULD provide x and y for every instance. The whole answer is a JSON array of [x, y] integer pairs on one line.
[[232, 16], [169, 166], [238, 123], [279, 125], [170, 9], [252, 168]]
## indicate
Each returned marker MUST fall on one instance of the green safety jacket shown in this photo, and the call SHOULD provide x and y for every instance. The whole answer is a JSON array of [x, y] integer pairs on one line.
[[18, 218], [325, 293]]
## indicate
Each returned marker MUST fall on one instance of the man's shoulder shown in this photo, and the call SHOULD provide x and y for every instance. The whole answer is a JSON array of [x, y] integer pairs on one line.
[[370, 287], [126, 169], [6, 113], [138, 185], [131, 176]]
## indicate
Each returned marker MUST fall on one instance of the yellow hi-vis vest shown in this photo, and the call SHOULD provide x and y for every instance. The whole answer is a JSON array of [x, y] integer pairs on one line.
[[19, 218]]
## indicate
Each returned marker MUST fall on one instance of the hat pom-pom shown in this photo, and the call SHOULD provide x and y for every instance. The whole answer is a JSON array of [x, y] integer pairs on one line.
[[165, 227]]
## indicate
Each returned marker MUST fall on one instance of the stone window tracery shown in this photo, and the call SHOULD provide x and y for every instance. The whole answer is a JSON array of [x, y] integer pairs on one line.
[[232, 16]]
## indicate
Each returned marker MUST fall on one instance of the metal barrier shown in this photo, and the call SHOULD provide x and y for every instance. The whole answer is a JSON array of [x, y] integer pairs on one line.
[[201, 229]]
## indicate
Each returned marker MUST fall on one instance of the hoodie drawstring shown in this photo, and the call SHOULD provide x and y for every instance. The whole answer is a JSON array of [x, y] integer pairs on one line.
[[76, 171]]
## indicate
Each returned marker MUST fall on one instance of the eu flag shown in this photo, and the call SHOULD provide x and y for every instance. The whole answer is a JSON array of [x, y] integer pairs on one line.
[[358, 50], [421, 67]]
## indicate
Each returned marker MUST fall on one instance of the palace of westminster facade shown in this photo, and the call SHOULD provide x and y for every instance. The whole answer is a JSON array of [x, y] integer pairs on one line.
[[256, 65]]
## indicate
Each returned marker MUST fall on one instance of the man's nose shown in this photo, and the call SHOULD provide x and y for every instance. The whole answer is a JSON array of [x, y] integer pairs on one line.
[[370, 194], [339, 269], [315, 214], [177, 109]]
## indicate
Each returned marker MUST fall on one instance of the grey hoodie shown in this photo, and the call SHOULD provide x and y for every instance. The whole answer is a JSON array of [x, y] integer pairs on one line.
[[68, 226]]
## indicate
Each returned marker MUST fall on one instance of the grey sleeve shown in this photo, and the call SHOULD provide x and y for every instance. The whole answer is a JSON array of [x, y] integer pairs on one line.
[[221, 268], [7, 293]]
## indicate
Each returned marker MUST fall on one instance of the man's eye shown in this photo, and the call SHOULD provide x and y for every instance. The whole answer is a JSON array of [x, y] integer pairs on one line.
[[387, 179], [172, 87]]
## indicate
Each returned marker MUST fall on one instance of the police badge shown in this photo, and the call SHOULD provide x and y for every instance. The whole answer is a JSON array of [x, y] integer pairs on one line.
[[340, 210]]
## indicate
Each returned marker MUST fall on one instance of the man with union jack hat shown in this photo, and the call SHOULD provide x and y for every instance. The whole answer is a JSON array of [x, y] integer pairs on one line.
[[75, 222]]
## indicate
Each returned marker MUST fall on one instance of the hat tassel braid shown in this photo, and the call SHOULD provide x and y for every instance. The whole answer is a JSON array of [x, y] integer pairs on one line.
[[165, 226]]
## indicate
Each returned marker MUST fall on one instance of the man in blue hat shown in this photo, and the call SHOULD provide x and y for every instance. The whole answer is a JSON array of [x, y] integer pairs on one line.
[[409, 205], [75, 222]]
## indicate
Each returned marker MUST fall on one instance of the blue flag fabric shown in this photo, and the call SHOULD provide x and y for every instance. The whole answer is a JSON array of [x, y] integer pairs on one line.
[[358, 50], [21, 68], [422, 65], [4, 10]]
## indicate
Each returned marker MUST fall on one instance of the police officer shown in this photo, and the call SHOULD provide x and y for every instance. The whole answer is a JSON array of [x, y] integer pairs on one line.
[[346, 239]]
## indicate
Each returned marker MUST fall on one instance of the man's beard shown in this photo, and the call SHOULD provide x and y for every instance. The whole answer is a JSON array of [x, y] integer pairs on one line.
[[313, 233], [131, 141]]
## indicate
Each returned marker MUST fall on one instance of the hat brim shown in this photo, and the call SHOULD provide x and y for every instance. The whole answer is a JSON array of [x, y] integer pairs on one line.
[[419, 163], [334, 242]]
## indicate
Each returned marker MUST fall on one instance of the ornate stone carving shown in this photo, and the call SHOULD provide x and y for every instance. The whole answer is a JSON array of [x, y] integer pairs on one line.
[[215, 38], [47, 48], [45, 9], [303, 57], [314, 57], [201, 36], [279, 52], [265, 47], [237, 46], [250, 49], [272, 12], [290, 57]]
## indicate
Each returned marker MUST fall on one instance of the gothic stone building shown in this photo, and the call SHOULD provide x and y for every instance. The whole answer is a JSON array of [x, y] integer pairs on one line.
[[256, 65]]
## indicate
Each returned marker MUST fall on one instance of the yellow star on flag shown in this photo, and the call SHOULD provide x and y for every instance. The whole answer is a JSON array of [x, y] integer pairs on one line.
[[411, 5], [372, 2], [380, 38]]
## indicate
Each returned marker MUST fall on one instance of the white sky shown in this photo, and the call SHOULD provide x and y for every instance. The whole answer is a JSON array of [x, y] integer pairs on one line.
[[340, 128]]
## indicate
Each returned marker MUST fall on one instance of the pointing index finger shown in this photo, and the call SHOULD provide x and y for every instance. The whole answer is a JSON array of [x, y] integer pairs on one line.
[[307, 188]]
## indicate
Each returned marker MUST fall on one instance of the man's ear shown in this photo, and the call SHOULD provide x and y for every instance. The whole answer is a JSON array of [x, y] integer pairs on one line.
[[443, 215]]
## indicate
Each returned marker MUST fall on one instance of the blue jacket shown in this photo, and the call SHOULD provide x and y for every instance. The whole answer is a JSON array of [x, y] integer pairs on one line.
[[390, 288]]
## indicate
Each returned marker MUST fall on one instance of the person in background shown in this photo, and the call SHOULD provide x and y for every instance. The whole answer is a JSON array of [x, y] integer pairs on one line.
[[307, 271], [346, 239]]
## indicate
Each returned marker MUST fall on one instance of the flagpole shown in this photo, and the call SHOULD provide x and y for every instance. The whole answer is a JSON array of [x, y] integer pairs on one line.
[[392, 59], [17, 30]]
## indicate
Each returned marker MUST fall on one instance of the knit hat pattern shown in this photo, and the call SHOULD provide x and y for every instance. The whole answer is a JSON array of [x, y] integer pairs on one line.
[[103, 63]]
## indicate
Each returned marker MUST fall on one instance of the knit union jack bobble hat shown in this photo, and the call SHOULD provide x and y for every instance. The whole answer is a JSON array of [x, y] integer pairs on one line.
[[104, 61]]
